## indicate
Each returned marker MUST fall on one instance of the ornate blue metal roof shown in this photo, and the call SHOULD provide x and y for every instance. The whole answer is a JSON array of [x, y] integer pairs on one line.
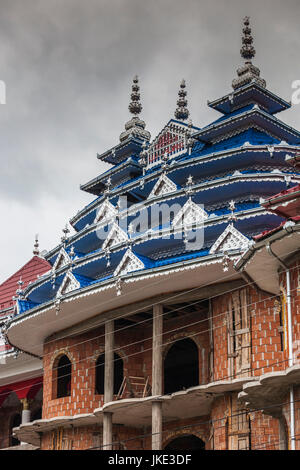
[[212, 187]]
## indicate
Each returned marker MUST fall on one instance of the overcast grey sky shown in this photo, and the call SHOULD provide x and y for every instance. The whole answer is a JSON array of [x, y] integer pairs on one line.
[[68, 67]]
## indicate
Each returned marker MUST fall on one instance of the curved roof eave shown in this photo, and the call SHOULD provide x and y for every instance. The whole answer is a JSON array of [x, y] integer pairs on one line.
[[261, 266], [100, 254], [170, 280], [184, 163]]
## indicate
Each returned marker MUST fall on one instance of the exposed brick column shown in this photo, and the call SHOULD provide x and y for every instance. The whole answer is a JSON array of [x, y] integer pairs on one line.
[[108, 383], [157, 376]]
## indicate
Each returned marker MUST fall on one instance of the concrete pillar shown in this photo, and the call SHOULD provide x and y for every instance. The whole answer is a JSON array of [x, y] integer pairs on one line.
[[156, 425], [157, 376], [107, 431], [283, 439], [108, 383], [25, 411]]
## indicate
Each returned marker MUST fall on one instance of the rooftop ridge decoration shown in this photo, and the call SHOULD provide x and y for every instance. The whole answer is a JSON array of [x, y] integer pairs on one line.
[[62, 259], [130, 262], [190, 214], [68, 284], [135, 127], [171, 141], [65, 231], [230, 239], [247, 73], [36, 250], [116, 235], [106, 212], [162, 186], [181, 112]]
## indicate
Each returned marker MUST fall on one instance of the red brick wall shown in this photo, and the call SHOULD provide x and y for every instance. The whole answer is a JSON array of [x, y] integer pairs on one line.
[[286, 414], [267, 355], [295, 304], [134, 345]]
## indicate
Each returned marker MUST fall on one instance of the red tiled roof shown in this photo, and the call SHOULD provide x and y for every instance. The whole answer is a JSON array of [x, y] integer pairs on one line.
[[285, 204], [268, 232], [29, 272], [286, 192]]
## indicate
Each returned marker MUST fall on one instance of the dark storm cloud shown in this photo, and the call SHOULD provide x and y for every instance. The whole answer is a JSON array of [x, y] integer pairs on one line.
[[68, 67]]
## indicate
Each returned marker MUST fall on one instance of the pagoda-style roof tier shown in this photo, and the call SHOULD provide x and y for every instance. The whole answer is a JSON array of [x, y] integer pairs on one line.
[[122, 172], [251, 116], [29, 329], [193, 208], [245, 210], [97, 259], [244, 152], [98, 268], [251, 93], [119, 153]]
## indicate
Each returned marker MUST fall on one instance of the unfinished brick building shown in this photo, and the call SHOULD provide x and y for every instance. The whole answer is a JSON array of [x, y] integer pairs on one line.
[[166, 321]]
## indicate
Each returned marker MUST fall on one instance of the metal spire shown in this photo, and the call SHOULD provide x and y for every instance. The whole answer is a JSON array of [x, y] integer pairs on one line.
[[65, 231], [135, 106], [135, 127], [248, 73], [36, 250], [247, 51], [182, 113]]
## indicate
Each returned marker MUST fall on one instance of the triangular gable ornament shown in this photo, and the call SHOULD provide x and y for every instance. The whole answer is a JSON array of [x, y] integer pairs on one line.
[[130, 262], [106, 212], [190, 214], [116, 235], [62, 259], [68, 284], [230, 239], [163, 186]]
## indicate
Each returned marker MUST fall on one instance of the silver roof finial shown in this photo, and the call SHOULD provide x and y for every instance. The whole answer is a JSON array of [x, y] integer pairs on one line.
[[247, 50], [181, 112], [247, 73], [135, 106], [135, 127], [36, 250]]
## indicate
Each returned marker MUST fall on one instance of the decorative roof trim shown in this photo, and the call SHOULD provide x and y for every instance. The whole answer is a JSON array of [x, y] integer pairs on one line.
[[111, 172], [199, 159], [207, 185], [190, 214], [163, 186], [240, 117], [230, 239], [130, 262], [62, 259], [152, 235], [245, 89], [130, 277], [68, 284], [105, 212], [116, 235]]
